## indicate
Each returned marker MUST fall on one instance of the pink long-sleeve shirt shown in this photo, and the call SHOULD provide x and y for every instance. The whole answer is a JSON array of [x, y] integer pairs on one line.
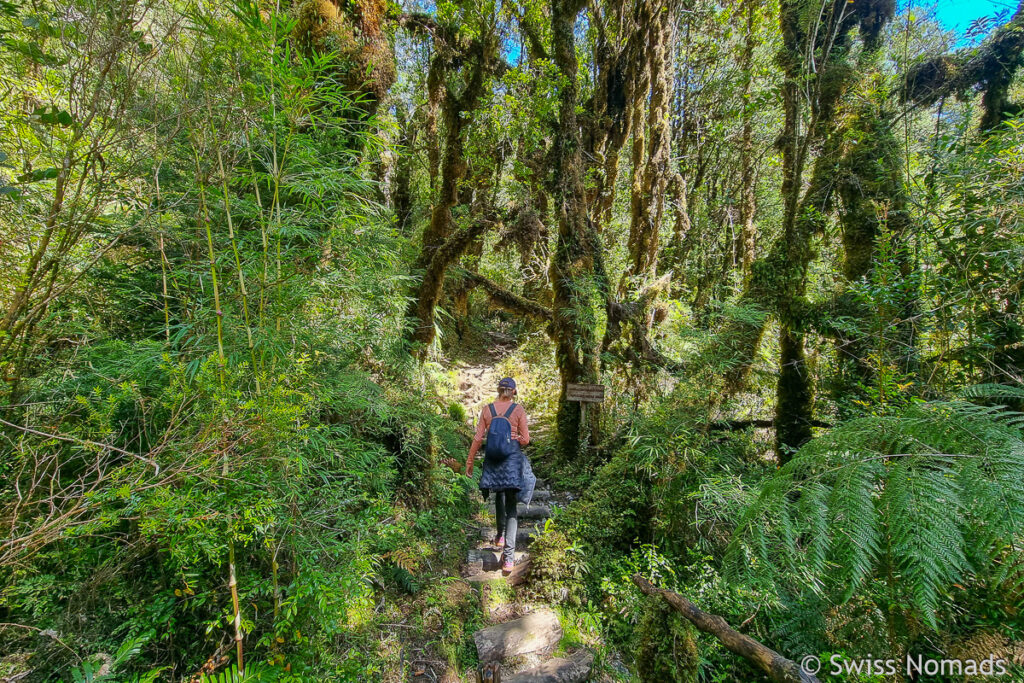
[[520, 428]]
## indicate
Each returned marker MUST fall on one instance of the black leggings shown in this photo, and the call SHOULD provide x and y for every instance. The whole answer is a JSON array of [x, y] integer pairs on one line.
[[506, 518]]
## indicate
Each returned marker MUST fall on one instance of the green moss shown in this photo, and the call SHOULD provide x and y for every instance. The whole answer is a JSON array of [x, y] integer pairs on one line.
[[664, 645]]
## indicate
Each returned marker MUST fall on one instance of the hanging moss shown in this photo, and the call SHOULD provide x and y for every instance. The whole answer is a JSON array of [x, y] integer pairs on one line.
[[990, 67], [365, 60]]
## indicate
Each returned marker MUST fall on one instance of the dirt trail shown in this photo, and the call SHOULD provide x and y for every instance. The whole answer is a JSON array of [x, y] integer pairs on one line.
[[477, 384]]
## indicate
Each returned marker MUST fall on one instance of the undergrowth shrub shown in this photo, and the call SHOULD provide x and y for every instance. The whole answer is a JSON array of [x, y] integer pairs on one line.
[[664, 644], [322, 514], [557, 568]]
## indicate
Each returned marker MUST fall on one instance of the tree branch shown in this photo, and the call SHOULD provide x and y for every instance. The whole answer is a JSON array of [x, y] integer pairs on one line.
[[84, 442], [928, 82], [774, 665], [508, 300]]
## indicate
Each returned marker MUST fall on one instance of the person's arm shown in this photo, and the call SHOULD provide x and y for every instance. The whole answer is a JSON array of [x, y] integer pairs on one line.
[[478, 439], [523, 427]]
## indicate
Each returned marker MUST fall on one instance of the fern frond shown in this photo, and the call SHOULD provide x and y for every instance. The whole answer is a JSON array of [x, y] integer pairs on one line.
[[921, 500], [998, 391]]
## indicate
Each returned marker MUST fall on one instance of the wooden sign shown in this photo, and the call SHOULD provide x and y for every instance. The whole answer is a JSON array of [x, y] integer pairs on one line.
[[584, 393]]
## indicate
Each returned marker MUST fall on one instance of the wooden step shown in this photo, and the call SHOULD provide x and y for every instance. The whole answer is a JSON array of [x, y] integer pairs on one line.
[[572, 669], [534, 632]]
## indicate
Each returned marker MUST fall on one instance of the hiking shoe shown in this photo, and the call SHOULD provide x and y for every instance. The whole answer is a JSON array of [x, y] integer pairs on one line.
[[499, 541], [507, 566]]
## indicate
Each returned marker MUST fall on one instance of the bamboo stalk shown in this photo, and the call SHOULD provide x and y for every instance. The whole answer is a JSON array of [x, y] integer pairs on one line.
[[264, 240], [163, 278], [163, 254], [213, 273], [238, 268], [275, 204], [233, 583], [276, 593]]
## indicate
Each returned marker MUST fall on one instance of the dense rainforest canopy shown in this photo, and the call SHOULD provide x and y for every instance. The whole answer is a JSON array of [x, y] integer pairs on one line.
[[253, 254]]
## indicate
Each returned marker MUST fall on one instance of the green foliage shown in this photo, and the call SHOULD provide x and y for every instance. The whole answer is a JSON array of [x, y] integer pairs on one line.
[[225, 381], [908, 505], [665, 649], [556, 568], [107, 667], [202, 362]]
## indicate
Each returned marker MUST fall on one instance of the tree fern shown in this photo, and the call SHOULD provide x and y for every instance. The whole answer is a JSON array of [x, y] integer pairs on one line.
[[923, 500]]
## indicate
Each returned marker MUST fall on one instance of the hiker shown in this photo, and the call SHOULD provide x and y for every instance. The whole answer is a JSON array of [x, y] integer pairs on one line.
[[503, 424]]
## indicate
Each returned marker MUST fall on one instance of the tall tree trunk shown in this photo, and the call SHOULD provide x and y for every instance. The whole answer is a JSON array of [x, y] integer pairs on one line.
[[875, 201], [440, 248], [748, 231], [650, 182], [572, 266], [794, 396], [401, 197], [811, 93], [651, 152]]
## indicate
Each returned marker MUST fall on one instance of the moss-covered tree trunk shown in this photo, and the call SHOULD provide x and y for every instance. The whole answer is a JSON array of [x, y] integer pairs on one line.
[[748, 198], [572, 266], [442, 245], [355, 33], [633, 316], [876, 224]]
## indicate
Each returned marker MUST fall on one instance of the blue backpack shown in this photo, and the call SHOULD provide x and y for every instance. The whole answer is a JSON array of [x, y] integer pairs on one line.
[[500, 444]]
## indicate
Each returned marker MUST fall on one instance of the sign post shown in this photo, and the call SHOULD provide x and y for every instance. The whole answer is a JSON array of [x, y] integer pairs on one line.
[[584, 394]]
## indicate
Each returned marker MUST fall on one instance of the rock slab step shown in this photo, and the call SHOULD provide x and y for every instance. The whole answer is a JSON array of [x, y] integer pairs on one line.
[[519, 574], [524, 536], [486, 559], [573, 669], [531, 511], [485, 565], [536, 631]]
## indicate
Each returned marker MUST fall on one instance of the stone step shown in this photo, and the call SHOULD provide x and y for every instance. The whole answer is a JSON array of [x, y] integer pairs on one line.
[[519, 574], [486, 559], [532, 511], [524, 536], [541, 496], [534, 632], [572, 669]]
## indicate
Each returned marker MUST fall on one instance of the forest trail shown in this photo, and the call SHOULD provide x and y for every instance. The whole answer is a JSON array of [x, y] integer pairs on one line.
[[517, 647], [518, 644]]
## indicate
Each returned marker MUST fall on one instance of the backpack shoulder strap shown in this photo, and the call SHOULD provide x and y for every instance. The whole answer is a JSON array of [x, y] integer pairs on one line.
[[508, 413], [494, 413]]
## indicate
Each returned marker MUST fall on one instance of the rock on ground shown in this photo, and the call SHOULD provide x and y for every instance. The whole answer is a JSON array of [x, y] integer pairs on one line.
[[536, 631]]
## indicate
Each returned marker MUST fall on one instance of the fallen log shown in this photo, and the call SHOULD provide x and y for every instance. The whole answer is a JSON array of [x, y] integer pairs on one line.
[[736, 425], [777, 667]]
